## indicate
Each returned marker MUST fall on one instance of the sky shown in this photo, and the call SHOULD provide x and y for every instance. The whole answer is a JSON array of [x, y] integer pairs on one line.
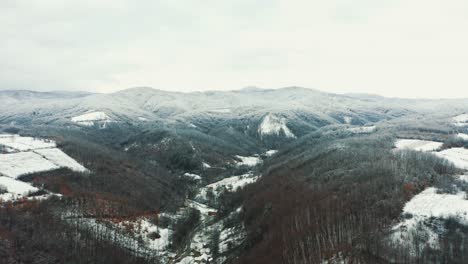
[[397, 48]]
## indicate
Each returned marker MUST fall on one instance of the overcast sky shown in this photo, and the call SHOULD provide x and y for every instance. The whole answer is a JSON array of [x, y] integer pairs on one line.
[[405, 48]]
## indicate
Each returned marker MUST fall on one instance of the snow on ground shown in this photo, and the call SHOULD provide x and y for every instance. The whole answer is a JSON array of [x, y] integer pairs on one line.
[[192, 176], [362, 129], [143, 229], [429, 203], [204, 209], [16, 164], [235, 182], [270, 153], [230, 237], [19, 143], [206, 165], [221, 110], [420, 213], [33, 155], [461, 120], [230, 184], [248, 161], [463, 136], [134, 235], [348, 119], [418, 145], [61, 159], [89, 119], [140, 118], [458, 156], [463, 178], [273, 125], [15, 189]]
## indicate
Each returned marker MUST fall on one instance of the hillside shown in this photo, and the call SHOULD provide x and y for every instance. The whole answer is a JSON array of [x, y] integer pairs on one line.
[[288, 175]]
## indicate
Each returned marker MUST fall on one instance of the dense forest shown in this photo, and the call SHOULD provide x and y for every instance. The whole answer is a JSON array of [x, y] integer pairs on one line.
[[329, 195]]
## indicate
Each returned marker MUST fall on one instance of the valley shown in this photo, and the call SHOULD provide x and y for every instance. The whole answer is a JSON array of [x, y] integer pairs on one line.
[[292, 175]]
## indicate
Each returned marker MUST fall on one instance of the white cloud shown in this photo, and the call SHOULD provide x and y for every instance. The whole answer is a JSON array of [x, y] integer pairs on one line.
[[406, 48]]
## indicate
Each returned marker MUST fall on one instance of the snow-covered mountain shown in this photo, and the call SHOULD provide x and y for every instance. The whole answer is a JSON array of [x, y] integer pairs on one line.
[[291, 108]]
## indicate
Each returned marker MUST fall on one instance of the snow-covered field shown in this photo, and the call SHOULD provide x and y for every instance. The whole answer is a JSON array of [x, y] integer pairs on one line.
[[16, 164], [461, 120], [418, 145], [61, 159], [420, 212], [30, 155], [362, 129], [233, 183], [458, 156], [271, 152], [463, 136], [89, 119], [463, 178], [14, 188], [230, 184], [248, 161], [19, 143], [273, 125]]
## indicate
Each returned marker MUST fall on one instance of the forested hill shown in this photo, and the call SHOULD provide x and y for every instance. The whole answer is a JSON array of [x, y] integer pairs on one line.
[[288, 175]]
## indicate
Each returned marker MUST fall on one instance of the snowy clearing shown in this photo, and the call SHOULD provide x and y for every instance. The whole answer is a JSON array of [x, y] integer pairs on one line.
[[273, 125], [362, 129], [89, 119], [16, 164], [271, 152], [19, 143], [33, 155], [192, 176], [230, 184], [418, 145], [463, 136], [429, 203], [458, 156], [61, 159], [15, 189], [421, 211], [248, 161], [463, 178], [461, 120], [348, 119]]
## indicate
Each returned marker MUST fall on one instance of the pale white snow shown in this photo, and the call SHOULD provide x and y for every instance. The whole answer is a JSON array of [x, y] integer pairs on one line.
[[33, 155], [230, 237], [270, 153], [248, 161], [461, 120], [16, 164], [15, 188], [421, 208], [206, 165], [463, 178], [61, 159], [418, 145], [204, 209], [273, 125], [230, 184], [142, 118], [458, 156], [19, 143], [348, 119], [362, 129], [192, 176], [89, 119], [463, 136]]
